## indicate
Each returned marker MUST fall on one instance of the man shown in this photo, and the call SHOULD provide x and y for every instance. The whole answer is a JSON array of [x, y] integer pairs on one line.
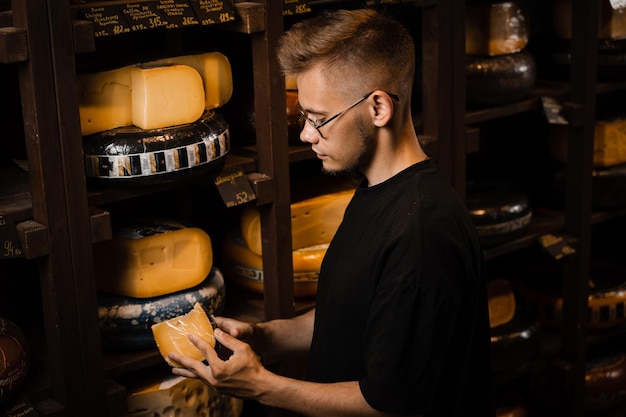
[[401, 322]]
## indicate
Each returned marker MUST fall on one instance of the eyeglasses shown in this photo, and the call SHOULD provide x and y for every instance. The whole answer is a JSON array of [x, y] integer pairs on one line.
[[318, 124]]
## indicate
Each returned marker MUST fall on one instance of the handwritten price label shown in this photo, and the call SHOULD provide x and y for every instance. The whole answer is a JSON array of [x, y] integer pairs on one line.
[[11, 246], [234, 187]]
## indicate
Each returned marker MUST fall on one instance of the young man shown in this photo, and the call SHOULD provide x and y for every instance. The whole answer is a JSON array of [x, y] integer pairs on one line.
[[401, 322]]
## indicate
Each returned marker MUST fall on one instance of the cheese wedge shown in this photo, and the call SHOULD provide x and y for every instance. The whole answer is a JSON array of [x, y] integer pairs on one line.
[[158, 260], [166, 96], [313, 221], [501, 302], [172, 335], [216, 73]]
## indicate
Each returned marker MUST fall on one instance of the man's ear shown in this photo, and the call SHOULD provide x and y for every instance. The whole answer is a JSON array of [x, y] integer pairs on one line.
[[383, 108]]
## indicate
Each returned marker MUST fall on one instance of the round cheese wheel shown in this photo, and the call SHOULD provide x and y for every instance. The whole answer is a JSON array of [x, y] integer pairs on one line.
[[499, 212], [14, 359], [514, 344], [132, 156], [541, 286], [245, 267], [498, 80], [605, 379], [125, 322]]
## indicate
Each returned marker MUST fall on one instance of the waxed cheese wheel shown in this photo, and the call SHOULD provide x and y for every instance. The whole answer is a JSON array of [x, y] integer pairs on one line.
[[172, 335], [160, 394], [131, 156], [14, 359], [514, 345], [605, 379], [152, 258], [244, 267], [126, 322]]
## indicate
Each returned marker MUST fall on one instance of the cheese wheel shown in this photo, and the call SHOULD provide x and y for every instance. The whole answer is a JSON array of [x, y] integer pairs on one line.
[[125, 322], [172, 335], [14, 359], [215, 70], [611, 22], [314, 221], [130, 156], [245, 267], [148, 259], [605, 379], [495, 28], [501, 302], [161, 394], [514, 345]]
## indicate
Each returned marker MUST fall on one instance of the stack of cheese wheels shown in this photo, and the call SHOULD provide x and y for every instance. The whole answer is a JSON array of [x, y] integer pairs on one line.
[[14, 359], [541, 287], [499, 69], [158, 393], [151, 272], [313, 224], [155, 121]]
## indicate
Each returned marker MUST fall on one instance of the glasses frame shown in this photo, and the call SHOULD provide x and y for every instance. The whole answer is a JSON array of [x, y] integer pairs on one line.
[[317, 125]]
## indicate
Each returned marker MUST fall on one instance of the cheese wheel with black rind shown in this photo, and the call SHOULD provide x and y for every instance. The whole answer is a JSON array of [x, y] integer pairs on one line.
[[125, 322], [245, 268], [498, 80], [514, 344], [499, 212], [605, 379], [14, 359], [149, 258], [540, 285], [130, 156]]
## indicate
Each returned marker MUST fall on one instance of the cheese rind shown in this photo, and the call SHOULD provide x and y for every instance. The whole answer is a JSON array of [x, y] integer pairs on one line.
[[173, 335], [166, 96], [172, 259], [313, 221], [216, 73]]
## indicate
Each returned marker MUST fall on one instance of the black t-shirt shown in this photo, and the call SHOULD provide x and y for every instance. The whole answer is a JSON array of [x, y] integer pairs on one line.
[[402, 301]]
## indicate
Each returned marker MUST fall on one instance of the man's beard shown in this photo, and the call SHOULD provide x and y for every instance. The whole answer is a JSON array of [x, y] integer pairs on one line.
[[366, 151]]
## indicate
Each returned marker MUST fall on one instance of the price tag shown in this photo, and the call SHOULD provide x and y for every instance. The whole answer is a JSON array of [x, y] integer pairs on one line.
[[141, 16], [107, 20], [234, 187], [210, 12], [553, 111], [176, 13], [11, 246], [294, 7], [556, 246]]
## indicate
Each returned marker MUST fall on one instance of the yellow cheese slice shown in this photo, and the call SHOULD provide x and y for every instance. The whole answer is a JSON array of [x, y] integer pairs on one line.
[[166, 96], [216, 73], [313, 221], [172, 335], [501, 302], [104, 100], [153, 265]]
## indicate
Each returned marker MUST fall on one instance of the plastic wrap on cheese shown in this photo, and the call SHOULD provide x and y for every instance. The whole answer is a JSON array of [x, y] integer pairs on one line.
[[173, 335]]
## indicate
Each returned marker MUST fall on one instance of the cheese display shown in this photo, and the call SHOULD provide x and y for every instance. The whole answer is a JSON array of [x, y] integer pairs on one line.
[[148, 259], [540, 286], [611, 21], [313, 221], [497, 80], [172, 335], [165, 395], [499, 211], [14, 359], [514, 345], [245, 268], [126, 322], [495, 28], [216, 73], [501, 302], [130, 156], [156, 94]]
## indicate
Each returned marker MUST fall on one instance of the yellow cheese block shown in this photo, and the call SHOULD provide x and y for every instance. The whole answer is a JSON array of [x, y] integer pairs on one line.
[[313, 221], [611, 22], [216, 73], [167, 259], [104, 100], [149, 97], [172, 335], [501, 302], [166, 96], [495, 28], [166, 395]]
